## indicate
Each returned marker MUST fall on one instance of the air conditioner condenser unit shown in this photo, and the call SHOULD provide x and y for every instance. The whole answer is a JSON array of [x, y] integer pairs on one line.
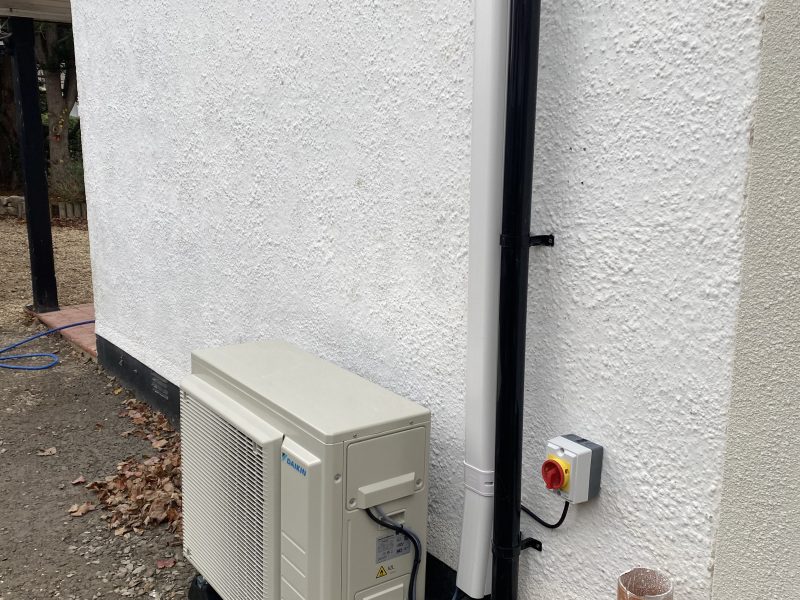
[[300, 480]]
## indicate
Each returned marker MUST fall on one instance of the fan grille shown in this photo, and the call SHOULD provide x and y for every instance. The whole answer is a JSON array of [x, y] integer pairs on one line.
[[226, 512]]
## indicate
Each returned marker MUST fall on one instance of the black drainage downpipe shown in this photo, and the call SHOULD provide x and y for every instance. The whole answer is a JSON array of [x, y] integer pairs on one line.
[[523, 61]]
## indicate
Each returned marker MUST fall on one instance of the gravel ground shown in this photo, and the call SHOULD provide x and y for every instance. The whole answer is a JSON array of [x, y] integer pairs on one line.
[[73, 271], [73, 408]]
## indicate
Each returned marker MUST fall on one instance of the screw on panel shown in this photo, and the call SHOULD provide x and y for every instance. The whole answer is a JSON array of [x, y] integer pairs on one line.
[[337, 478]]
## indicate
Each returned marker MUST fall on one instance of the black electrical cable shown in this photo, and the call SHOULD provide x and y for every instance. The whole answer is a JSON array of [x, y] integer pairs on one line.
[[383, 520], [543, 523]]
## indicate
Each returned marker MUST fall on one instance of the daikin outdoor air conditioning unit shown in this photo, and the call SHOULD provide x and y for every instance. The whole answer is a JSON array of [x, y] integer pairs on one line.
[[288, 461]]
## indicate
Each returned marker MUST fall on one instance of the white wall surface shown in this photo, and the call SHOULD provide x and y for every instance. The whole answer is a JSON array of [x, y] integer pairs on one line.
[[299, 172], [757, 554], [641, 157], [302, 171]]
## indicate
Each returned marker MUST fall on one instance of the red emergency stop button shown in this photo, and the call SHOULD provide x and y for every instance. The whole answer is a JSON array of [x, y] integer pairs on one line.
[[553, 474]]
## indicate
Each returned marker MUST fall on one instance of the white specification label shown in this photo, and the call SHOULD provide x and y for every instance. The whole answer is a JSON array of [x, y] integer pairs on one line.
[[391, 546]]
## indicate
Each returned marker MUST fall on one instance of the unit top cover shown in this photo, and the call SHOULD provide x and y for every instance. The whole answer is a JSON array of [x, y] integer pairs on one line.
[[327, 401]]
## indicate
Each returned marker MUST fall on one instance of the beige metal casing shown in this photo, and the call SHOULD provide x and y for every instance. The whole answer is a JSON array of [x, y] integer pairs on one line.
[[344, 444]]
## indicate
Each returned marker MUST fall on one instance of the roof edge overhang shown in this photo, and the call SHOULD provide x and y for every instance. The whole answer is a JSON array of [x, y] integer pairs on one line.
[[58, 11]]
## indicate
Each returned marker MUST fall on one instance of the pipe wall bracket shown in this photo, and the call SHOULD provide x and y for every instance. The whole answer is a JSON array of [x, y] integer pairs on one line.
[[542, 240], [479, 481], [508, 240]]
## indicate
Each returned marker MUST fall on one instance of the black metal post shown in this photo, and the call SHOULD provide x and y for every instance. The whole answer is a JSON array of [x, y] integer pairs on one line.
[[515, 242], [34, 169]]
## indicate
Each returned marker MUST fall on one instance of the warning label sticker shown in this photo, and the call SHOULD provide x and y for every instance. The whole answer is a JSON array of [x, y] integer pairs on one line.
[[391, 546], [381, 573]]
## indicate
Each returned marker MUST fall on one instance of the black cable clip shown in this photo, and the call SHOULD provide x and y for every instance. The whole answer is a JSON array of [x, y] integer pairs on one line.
[[532, 543], [542, 240], [508, 240]]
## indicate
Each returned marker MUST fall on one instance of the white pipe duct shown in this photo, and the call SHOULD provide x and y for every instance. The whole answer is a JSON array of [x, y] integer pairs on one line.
[[488, 142]]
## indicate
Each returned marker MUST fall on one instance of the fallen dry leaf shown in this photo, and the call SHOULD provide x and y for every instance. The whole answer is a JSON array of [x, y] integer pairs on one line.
[[165, 563], [117, 391], [79, 480], [78, 511], [145, 492], [47, 452]]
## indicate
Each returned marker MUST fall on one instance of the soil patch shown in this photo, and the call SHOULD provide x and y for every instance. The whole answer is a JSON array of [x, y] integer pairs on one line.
[[59, 430], [73, 269]]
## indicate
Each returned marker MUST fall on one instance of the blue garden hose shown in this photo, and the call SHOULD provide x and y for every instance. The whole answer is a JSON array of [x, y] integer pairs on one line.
[[53, 358]]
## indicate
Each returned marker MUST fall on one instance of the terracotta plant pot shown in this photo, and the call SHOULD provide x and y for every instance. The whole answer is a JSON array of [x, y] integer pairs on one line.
[[644, 584]]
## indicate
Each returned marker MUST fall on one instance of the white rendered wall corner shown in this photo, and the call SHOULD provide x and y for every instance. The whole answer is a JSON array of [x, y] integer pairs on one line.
[[757, 554], [303, 172], [642, 148]]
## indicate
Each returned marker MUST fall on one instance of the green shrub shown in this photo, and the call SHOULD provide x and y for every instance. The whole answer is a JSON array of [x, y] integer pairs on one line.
[[75, 151], [70, 188]]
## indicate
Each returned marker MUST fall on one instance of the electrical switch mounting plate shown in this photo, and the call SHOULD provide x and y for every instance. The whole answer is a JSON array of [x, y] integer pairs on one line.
[[573, 468]]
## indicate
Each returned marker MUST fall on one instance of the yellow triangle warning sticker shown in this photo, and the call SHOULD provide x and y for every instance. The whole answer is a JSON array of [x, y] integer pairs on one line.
[[381, 573]]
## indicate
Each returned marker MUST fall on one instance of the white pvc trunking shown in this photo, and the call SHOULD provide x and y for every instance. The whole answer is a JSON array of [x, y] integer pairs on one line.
[[486, 182]]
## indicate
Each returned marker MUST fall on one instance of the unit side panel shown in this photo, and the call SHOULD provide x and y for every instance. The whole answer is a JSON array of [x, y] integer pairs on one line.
[[301, 521], [311, 526], [330, 540], [376, 560]]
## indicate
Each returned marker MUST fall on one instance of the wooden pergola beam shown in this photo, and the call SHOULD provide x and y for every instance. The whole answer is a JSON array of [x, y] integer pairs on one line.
[[41, 10]]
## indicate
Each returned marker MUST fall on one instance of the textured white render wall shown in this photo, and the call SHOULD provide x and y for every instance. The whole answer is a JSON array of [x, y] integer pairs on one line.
[[301, 171], [758, 545], [291, 170], [642, 150]]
